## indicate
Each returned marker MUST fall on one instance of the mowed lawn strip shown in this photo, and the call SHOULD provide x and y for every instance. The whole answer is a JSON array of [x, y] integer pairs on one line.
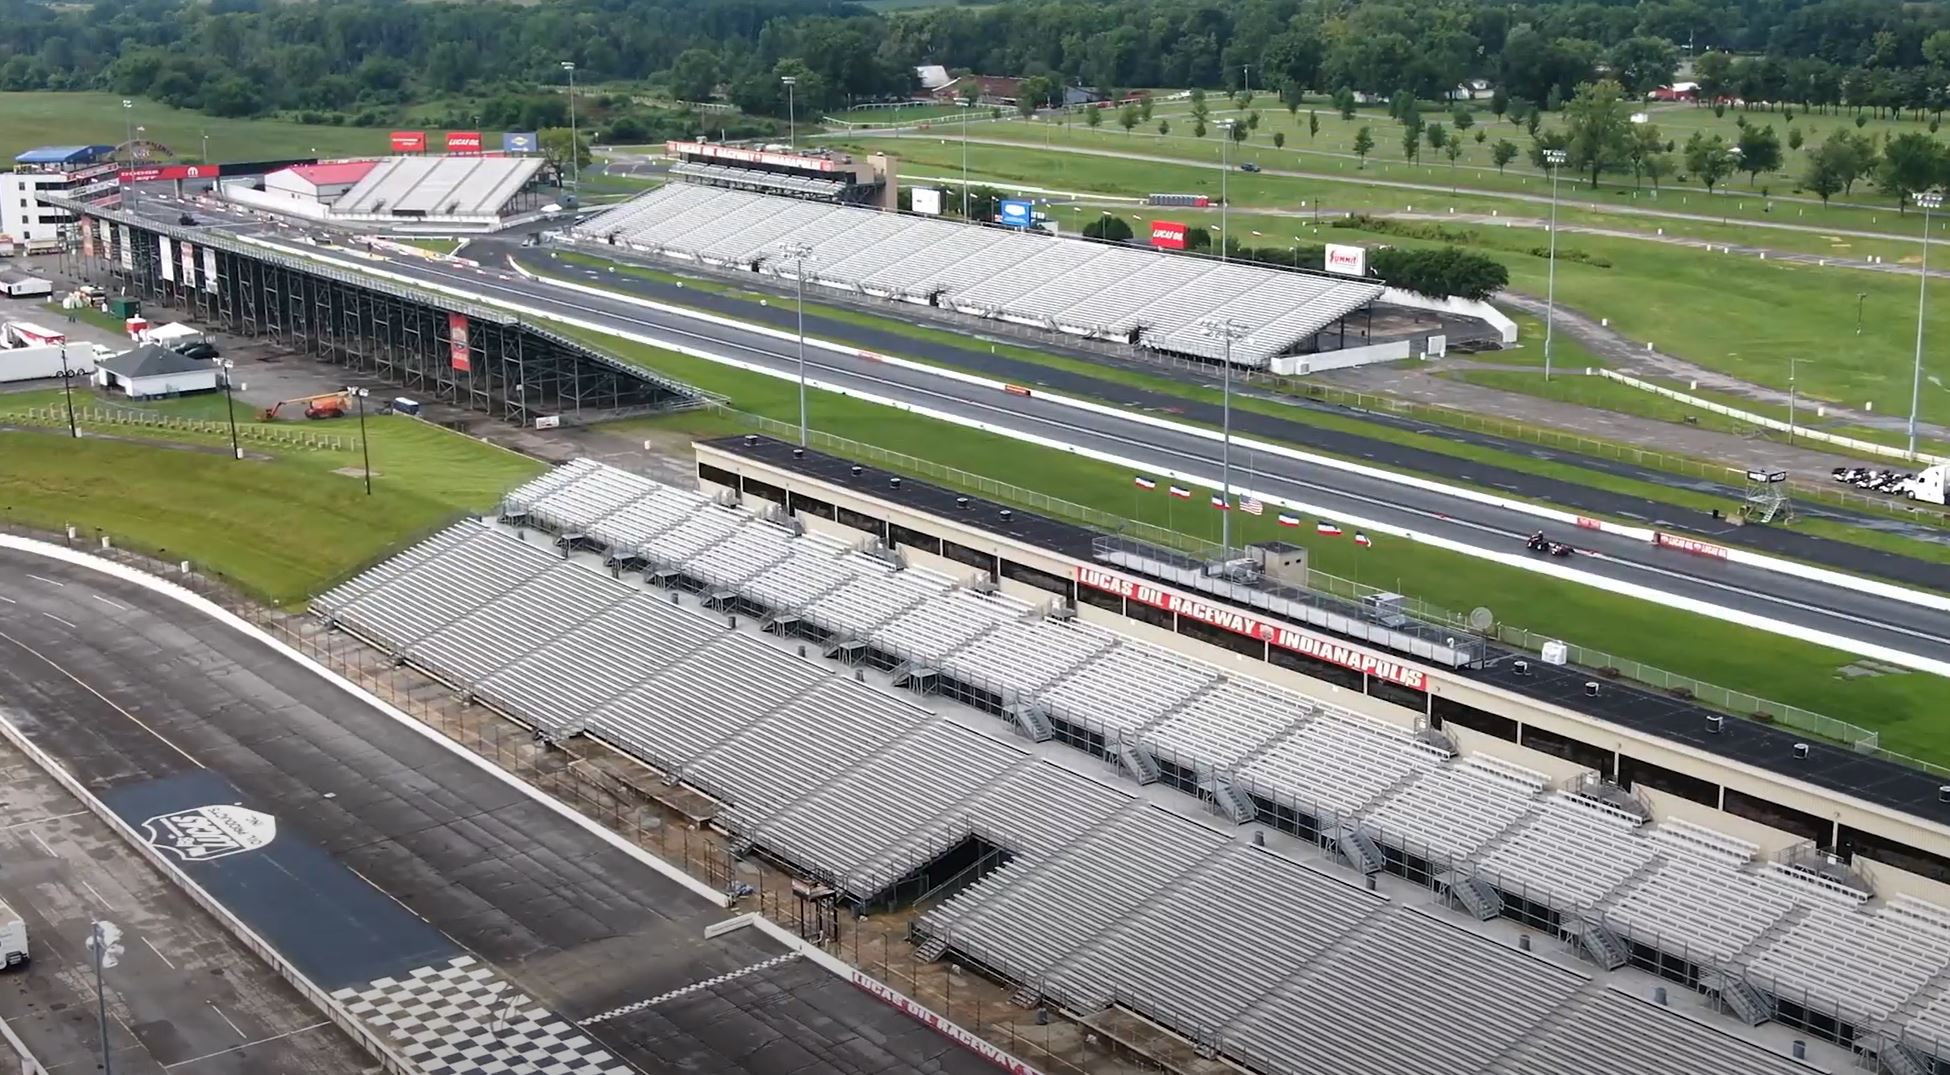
[[1725, 654]]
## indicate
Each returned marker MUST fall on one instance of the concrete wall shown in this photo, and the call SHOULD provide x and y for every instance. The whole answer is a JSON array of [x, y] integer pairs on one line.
[[1345, 358], [1562, 771], [1506, 329]]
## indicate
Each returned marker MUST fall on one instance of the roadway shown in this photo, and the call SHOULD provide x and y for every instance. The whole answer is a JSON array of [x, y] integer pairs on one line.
[[1885, 627]]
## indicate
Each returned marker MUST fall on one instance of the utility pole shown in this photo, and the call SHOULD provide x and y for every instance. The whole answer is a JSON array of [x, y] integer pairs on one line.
[[105, 944], [1930, 200], [230, 408], [575, 140], [799, 252], [791, 110], [365, 449], [1226, 331], [1554, 159], [1225, 170], [128, 127]]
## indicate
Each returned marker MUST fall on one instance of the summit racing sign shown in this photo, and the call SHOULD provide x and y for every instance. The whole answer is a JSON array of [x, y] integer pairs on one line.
[[210, 832], [1227, 618]]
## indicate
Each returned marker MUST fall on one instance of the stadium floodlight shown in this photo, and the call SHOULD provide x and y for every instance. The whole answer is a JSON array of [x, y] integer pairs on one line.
[[365, 451], [799, 252], [791, 116], [1931, 201], [575, 140], [1554, 160], [1226, 331], [1225, 166]]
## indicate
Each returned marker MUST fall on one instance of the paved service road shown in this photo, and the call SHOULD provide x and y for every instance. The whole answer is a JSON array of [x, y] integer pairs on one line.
[[139, 696], [1898, 629]]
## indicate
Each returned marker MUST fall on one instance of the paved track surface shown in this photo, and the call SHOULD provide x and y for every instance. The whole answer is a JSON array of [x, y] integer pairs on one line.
[[134, 694], [1841, 611]]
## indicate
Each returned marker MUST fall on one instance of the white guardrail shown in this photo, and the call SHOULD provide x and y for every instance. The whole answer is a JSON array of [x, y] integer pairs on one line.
[[1677, 542], [391, 1060], [1853, 444], [22, 1062]]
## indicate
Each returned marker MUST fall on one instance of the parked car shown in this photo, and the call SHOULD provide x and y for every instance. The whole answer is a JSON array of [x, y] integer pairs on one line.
[[1249, 166]]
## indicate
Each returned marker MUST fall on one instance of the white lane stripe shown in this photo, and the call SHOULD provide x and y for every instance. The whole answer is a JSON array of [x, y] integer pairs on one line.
[[51, 853], [247, 1045], [159, 955], [105, 700], [42, 578], [109, 603], [226, 1019], [60, 621]]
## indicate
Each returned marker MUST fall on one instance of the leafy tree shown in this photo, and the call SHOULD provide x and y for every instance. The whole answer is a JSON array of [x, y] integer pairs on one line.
[[1252, 121], [1144, 108], [694, 77], [1313, 125], [1237, 130], [1452, 149], [1708, 157], [1164, 126], [557, 147], [1109, 227], [1482, 136], [1532, 120], [1198, 128], [1543, 143], [1643, 64], [1647, 152], [1440, 272], [1411, 144], [1794, 138], [1437, 134], [1499, 102], [1127, 118], [1597, 128], [1760, 151], [1279, 139], [1463, 117], [1292, 95], [1037, 91], [1093, 117], [1830, 168], [1363, 144], [1344, 102], [1910, 162], [1711, 71]]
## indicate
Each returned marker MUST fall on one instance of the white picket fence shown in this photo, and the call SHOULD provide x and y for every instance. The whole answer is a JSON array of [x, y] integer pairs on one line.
[[120, 417], [1853, 444]]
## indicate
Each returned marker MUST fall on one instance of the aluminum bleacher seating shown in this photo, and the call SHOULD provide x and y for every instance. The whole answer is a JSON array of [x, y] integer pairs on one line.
[[517, 501], [1026, 657], [1864, 962], [1127, 686], [1337, 763], [1441, 999], [710, 694], [930, 631], [704, 528], [577, 505], [1702, 902], [516, 623], [741, 554], [627, 528], [895, 811], [818, 566], [1451, 811], [1605, 1030], [1035, 811], [1047, 912], [879, 594], [566, 681], [1269, 913], [1571, 852], [388, 571], [1070, 284], [1215, 730], [441, 589]]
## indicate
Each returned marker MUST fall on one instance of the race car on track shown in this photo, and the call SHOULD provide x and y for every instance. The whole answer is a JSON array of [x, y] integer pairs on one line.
[[1539, 543]]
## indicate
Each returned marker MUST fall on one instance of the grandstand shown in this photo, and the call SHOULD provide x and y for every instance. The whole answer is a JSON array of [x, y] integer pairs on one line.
[[816, 174], [470, 193], [1100, 892], [1125, 294]]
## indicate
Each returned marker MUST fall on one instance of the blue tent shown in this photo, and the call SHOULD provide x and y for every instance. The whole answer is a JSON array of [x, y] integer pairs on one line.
[[65, 155]]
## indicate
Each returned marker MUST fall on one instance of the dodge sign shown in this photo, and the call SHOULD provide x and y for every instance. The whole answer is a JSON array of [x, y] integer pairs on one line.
[[1168, 235], [1347, 260]]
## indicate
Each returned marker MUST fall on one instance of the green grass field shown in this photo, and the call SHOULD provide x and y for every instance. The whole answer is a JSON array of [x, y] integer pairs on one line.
[[282, 528], [1740, 658], [46, 118]]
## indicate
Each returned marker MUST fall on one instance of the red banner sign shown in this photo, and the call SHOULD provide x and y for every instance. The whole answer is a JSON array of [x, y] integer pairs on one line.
[[411, 142], [1686, 544], [1589, 523], [1231, 619], [457, 342], [1015, 389], [464, 142], [158, 172], [933, 1021], [1168, 234]]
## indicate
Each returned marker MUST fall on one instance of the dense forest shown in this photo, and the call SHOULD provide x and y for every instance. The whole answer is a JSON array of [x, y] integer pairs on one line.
[[362, 61]]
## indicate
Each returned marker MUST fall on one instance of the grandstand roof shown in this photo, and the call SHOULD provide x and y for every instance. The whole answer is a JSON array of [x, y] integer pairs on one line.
[[421, 187], [1100, 290], [63, 154], [332, 173]]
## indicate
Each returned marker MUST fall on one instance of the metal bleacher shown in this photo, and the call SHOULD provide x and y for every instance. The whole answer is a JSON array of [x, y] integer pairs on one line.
[[1065, 284], [1106, 897], [438, 186]]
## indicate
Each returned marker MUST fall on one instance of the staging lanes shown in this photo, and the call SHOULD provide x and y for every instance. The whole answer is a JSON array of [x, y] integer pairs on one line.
[[390, 858], [1887, 627]]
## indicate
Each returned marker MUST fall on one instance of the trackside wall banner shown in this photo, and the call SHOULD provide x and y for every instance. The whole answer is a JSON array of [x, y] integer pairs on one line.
[[122, 244], [457, 342], [189, 265], [210, 269], [165, 258], [1168, 234], [1231, 619], [87, 237]]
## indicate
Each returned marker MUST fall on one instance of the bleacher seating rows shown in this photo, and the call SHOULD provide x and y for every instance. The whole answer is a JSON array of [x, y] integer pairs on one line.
[[422, 187], [768, 731], [1065, 284], [1609, 1031]]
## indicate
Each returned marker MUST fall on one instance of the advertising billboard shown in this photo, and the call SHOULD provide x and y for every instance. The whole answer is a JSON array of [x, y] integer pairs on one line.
[[122, 245], [1168, 235], [518, 143], [457, 342], [1347, 260], [87, 237], [926, 200], [1016, 213], [210, 269], [189, 265], [158, 172], [165, 258], [464, 142], [408, 142]]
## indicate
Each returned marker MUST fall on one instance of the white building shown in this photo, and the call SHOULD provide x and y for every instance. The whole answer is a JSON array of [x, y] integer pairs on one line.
[[153, 370], [24, 219], [322, 183]]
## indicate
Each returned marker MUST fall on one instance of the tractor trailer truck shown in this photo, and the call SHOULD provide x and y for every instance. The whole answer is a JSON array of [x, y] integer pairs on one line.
[[13, 938]]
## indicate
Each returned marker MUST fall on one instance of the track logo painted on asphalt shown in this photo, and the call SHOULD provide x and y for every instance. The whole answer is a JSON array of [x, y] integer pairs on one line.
[[210, 832]]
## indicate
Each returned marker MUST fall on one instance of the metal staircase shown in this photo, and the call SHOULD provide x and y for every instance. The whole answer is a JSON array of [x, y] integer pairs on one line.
[[1026, 997], [932, 949], [1141, 766], [1893, 1056], [1232, 802], [1477, 897], [1032, 720], [1359, 850], [1743, 1000], [1598, 943]]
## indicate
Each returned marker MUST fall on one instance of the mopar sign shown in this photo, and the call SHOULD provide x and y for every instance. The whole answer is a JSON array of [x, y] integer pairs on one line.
[[210, 832], [518, 142], [1016, 214], [154, 173]]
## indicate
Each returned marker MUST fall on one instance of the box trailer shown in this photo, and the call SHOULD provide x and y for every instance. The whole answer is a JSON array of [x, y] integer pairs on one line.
[[13, 938], [46, 361]]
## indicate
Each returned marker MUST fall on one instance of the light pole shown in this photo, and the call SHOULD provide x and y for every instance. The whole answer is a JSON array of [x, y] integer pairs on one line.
[[1930, 200], [1860, 297], [799, 252], [1793, 396], [230, 408], [791, 110], [141, 136], [365, 448], [966, 104], [1554, 160], [1226, 331], [575, 140], [1225, 169], [206, 147], [128, 127], [105, 944]]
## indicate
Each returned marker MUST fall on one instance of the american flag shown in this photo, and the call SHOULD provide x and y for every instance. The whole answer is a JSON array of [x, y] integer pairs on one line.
[[1250, 506]]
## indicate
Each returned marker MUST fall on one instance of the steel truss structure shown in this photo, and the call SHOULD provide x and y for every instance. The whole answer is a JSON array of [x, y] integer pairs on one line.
[[432, 346]]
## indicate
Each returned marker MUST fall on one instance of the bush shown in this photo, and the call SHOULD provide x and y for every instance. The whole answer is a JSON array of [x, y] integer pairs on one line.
[[1111, 228], [1439, 273]]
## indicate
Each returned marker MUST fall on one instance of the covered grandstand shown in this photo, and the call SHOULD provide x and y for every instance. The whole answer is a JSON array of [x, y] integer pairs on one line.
[[472, 193], [1235, 914], [1166, 302]]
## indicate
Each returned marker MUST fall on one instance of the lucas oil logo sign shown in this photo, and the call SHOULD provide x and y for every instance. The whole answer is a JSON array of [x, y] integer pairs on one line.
[[210, 832]]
